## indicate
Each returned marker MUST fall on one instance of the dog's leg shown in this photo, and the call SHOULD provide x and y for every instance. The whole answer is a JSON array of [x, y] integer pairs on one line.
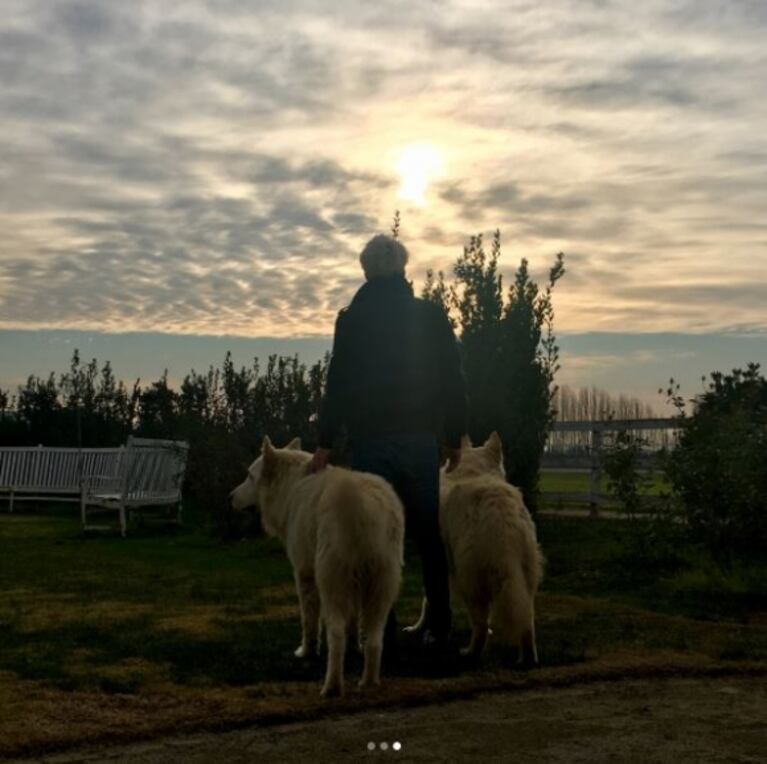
[[375, 615], [354, 633], [309, 601], [334, 677], [529, 652], [479, 611]]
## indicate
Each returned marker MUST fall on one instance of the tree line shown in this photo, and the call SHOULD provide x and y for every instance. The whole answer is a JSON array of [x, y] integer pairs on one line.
[[587, 404]]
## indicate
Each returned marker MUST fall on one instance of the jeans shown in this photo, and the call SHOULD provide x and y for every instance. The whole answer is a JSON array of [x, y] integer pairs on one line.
[[410, 463]]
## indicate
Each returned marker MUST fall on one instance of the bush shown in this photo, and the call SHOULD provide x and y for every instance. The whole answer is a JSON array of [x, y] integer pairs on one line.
[[718, 468], [223, 414], [651, 539]]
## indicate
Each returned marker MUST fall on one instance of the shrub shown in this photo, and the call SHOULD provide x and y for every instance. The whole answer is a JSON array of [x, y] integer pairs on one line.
[[651, 539], [718, 468]]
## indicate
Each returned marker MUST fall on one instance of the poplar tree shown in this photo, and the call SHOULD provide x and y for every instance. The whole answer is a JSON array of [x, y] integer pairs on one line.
[[509, 352]]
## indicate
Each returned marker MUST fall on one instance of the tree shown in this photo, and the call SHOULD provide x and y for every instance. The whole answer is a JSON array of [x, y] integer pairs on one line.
[[509, 352], [158, 410], [717, 468]]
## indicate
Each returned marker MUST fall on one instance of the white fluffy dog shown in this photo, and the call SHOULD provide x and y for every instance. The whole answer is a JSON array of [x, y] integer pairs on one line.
[[493, 555], [343, 532]]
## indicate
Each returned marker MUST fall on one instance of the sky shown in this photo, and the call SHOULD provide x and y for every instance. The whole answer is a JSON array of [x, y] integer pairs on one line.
[[212, 169]]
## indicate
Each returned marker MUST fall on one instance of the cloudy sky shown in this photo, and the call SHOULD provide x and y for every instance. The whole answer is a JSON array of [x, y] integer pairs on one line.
[[213, 168]]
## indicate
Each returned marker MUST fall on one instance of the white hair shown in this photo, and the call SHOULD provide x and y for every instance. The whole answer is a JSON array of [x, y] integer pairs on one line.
[[383, 256]]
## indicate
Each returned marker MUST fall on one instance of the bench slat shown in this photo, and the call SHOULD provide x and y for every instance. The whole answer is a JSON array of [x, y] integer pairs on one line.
[[145, 472]]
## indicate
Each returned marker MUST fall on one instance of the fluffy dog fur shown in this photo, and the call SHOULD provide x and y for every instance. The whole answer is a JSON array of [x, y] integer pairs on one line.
[[493, 555], [343, 532]]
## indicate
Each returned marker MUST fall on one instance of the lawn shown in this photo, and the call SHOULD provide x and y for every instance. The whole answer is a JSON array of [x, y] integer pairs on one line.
[[173, 630], [572, 481]]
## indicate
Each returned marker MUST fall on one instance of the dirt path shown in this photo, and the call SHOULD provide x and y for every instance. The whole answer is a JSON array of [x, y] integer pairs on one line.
[[674, 720]]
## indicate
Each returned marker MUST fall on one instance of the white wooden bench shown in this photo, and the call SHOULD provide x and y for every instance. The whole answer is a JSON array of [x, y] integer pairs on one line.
[[147, 473], [51, 474]]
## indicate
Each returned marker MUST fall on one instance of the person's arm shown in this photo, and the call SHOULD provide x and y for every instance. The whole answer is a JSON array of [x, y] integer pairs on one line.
[[331, 415], [453, 387]]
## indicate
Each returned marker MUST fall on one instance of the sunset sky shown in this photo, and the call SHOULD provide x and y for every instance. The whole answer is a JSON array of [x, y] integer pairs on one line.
[[214, 168]]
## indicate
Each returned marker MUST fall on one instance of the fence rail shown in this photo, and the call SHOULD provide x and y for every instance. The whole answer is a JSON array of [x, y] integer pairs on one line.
[[590, 463]]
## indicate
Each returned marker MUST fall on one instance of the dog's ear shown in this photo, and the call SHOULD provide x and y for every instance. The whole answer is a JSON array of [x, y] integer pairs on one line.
[[269, 456], [493, 446], [465, 441], [294, 445]]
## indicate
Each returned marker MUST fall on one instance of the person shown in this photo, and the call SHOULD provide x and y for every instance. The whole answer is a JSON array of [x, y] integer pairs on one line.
[[395, 382]]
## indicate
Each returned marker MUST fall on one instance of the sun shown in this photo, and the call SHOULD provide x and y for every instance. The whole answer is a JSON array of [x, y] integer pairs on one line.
[[418, 164]]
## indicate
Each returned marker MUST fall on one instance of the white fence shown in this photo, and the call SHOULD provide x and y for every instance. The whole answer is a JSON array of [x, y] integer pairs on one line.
[[591, 463]]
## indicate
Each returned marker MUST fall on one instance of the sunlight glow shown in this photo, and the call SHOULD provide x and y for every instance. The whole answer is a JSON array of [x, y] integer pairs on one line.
[[418, 165]]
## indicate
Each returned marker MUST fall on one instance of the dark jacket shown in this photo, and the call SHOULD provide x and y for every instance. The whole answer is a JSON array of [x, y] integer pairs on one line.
[[395, 368]]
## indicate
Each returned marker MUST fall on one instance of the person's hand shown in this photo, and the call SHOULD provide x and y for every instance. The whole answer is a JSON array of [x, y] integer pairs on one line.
[[453, 459], [320, 460]]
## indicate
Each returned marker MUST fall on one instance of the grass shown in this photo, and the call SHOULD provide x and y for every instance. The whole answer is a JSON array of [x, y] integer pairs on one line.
[[572, 482], [569, 481], [179, 621]]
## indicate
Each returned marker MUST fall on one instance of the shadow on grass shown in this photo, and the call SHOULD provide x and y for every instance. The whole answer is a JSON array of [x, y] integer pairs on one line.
[[183, 608]]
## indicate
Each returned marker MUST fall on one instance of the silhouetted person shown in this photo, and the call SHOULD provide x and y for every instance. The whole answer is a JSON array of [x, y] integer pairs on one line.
[[395, 382]]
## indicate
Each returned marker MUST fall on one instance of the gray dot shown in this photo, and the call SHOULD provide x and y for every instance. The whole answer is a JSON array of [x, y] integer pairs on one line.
[[384, 746], [371, 746]]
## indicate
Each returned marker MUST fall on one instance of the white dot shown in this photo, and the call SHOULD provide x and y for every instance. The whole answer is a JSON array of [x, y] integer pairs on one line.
[[384, 746], [396, 746], [371, 746]]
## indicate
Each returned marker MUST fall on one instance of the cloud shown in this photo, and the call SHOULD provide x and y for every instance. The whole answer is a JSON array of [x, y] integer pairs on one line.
[[509, 196], [216, 166]]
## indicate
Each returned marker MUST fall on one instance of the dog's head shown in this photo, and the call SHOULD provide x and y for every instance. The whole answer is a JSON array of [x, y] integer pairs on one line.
[[265, 473], [480, 460]]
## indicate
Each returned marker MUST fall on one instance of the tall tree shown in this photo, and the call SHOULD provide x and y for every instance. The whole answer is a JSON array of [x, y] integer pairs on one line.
[[509, 351]]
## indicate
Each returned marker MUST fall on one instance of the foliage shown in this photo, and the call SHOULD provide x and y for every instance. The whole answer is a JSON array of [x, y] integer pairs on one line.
[[718, 467], [510, 355], [620, 458], [223, 414], [651, 531], [395, 226]]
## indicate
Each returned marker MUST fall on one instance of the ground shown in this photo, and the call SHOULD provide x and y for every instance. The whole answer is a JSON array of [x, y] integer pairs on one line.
[[168, 633], [672, 720]]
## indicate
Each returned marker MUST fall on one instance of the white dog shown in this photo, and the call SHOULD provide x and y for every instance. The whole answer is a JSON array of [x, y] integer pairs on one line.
[[344, 534], [493, 555]]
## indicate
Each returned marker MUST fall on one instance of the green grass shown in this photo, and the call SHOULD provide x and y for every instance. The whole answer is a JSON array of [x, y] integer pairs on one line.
[[168, 612], [564, 481], [593, 559], [183, 606]]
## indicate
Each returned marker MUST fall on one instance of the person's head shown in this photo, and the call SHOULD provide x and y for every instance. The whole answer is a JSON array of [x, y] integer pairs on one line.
[[383, 256]]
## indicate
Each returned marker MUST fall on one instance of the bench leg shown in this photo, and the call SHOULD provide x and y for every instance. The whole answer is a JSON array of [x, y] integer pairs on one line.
[[123, 521], [10, 505]]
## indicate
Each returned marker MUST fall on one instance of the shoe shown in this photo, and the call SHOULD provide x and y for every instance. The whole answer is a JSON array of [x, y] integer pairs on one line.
[[438, 657], [434, 642]]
